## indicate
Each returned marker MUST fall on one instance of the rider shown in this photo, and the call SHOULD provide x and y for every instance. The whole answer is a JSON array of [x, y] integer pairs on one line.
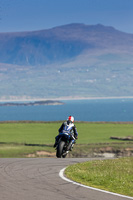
[[68, 126]]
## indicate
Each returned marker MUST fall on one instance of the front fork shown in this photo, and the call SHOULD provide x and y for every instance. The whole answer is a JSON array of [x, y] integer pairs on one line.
[[70, 146]]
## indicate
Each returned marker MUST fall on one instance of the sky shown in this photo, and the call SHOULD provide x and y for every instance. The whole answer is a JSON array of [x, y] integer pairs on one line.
[[31, 15]]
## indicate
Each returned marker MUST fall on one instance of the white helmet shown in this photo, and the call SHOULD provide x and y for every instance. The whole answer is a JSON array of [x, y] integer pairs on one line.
[[71, 118]]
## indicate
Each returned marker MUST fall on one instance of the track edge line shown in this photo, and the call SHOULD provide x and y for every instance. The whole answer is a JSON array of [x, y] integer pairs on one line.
[[61, 174]]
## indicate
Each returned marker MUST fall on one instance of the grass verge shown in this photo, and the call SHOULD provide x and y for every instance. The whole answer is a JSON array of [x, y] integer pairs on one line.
[[114, 175], [12, 150], [15, 135]]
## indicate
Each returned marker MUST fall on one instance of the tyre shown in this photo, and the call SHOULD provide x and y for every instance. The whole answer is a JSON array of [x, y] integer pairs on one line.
[[60, 149]]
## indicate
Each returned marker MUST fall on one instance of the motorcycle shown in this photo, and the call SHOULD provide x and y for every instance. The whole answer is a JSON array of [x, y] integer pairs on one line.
[[64, 145]]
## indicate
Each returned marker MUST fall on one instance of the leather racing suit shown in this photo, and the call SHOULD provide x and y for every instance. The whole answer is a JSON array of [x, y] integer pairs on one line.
[[67, 127]]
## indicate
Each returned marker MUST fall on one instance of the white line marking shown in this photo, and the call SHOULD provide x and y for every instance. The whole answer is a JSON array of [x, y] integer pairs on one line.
[[61, 174]]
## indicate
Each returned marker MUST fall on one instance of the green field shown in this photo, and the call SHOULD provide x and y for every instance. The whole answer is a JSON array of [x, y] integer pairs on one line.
[[26, 139], [21, 138], [112, 175]]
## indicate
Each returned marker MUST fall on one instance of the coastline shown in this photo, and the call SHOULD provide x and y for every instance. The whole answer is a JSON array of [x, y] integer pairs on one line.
[[93, 98], [63, 98], [31, 103]]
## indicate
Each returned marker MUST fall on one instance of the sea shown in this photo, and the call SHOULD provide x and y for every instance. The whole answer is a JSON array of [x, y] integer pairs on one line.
[[89, 110]]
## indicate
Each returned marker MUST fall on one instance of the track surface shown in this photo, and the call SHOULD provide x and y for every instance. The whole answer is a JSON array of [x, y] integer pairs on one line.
[[38, 179]]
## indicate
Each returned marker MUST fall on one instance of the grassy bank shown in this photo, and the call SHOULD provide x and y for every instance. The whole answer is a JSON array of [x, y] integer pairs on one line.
[[112, 175], [22, 138]]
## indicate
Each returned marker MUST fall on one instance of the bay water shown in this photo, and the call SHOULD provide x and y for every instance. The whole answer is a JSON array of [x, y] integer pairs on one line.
[[109, 110]]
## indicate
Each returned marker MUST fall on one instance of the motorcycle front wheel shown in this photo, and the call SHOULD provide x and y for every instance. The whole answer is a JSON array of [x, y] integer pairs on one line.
[[59, 151]]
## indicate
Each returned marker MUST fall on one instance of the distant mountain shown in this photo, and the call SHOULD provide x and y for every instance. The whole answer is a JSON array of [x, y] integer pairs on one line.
[[59, 43], [69, 60]]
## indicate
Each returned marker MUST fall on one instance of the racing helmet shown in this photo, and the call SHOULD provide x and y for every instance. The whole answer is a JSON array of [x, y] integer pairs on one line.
[[71, 119]]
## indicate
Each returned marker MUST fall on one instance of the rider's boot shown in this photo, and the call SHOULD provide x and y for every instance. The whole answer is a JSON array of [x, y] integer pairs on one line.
[[55, 144]]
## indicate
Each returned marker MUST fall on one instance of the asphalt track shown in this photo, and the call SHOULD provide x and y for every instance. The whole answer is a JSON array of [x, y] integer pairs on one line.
[[38, 179]]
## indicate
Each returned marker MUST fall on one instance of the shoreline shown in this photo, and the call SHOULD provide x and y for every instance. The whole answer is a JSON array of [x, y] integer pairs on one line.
[[64, 98], [31, 103]]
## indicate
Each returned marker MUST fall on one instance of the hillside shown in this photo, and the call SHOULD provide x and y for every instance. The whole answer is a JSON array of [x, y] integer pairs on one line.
[[59, 44], [70, 60]]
